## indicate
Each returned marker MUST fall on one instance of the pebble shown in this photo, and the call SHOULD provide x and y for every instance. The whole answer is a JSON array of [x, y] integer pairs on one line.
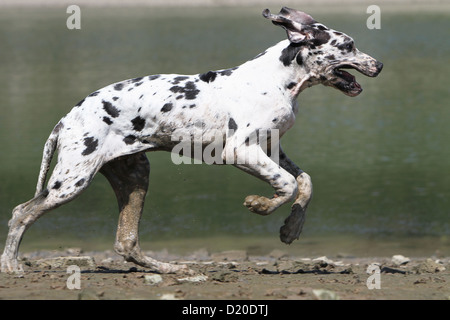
[[324, 259], [400, 260], [323, 294], [152, 279], [168, 296], [84, 262], [194, 279]]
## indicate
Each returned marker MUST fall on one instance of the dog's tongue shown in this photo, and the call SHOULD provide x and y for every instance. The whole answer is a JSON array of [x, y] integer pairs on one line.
[[347, 76], [350, 78]]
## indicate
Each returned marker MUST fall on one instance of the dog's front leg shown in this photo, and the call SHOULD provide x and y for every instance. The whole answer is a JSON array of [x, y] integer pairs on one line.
[[294, 222], [252, 159]]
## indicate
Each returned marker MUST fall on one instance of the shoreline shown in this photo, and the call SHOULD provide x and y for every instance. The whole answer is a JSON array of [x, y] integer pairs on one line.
[[331, 245]]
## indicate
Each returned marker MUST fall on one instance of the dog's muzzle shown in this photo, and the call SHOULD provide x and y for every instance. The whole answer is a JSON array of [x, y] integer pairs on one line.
[[342, 80]]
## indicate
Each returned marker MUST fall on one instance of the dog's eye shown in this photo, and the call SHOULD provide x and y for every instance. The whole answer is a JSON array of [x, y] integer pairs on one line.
[[349, 46]]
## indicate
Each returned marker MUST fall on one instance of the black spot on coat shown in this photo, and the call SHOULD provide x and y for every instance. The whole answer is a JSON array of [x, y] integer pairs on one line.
[[91, 145], [178, 79], [136, 80], [154, 77], [118, 86], [291, 85], [289, 53], [110, 109], [232, 124], [227, 72], [79, 183], [57, 185], [58, 127], [138, 123], [167, 107], [190, 90], [130, 139], [93, 94], [209, 76], [107, 120], [80, 103]]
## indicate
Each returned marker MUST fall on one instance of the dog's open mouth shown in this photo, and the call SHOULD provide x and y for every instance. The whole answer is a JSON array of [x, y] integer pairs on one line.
[[345, 81]]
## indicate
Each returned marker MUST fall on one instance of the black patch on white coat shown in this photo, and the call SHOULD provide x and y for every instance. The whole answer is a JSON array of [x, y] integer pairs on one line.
[[93, 94], [80, 103], [232, 124], [290, 52], [57, 185], [138, 123], [110, 109], [154, 77], [178, 79], [190, 90], [227, 72], [107, 120], [291, 85], [130, 139], [118, 86], [79, 183], [209, 76], [136, 80], [167, 107], [91, 145]]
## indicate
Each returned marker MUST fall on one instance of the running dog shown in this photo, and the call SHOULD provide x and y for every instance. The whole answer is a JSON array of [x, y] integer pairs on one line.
[[111, 130]]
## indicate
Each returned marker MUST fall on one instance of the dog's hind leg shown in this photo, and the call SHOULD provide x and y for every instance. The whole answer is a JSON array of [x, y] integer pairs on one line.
[[61, 189], [129, 177]]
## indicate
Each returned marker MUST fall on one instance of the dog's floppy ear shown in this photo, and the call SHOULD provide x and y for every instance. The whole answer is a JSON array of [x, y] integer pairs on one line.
[[293, 21]]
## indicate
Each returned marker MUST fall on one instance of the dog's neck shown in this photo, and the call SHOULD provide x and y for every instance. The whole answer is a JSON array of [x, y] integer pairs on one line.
[[268, 69]]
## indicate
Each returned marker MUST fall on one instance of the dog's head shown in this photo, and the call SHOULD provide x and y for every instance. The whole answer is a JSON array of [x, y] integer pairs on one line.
[[324, 53]]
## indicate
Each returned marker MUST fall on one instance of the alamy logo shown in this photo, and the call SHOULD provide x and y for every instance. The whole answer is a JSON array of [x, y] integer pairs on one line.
[[213, 148], [374, 280], [74, 280], [374, 20], [74, 20]]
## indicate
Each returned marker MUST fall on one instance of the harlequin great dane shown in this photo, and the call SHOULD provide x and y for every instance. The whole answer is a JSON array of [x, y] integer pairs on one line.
[[111, 129]]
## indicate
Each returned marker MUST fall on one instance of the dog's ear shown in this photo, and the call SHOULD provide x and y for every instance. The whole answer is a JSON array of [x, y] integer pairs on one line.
[[294, 22]]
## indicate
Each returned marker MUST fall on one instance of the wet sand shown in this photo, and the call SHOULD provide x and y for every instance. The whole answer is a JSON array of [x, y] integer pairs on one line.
[[228, 275]]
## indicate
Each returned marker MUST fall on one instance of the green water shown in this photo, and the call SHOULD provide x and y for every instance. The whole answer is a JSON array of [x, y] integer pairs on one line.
[[379, 162]]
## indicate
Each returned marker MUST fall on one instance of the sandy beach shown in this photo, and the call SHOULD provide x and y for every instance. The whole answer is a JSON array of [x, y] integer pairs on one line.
[[228, 275]]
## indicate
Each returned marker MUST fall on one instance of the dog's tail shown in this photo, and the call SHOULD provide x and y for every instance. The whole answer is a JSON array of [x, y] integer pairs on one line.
[[49, 151]]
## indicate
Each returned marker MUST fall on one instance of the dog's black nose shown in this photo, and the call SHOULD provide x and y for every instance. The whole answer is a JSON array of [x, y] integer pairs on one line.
[[379, 66]]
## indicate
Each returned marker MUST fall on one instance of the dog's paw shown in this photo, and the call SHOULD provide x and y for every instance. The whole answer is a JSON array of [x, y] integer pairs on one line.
[[293, 224], [257, 204], [174, 268], [11, 266]]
